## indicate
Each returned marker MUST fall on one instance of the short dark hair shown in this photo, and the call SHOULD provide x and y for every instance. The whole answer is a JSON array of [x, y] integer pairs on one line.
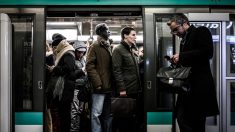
[[179, 19], [100, 28], [127, 31]]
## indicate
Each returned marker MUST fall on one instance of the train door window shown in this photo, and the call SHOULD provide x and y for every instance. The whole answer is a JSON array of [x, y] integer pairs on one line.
[[165, 46], [230, 72], [232, 103], [230, 48], [231, 107], [22, 61]]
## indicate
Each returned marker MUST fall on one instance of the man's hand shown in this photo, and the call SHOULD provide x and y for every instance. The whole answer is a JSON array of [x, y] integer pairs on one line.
[[175, 58], [50, 68], [123, 93], [98, 87]]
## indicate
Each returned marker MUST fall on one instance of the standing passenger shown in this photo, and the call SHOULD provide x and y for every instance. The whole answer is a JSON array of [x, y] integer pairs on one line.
[[126, 72], [99, 71], [49, 62], [196, 50], [50, 84], [81, 80], [64, 67]]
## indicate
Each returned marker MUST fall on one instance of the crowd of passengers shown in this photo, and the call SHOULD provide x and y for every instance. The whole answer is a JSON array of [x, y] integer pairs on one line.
[[81, 80]]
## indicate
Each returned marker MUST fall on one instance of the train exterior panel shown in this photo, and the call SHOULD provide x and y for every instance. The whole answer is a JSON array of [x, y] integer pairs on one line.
[[6, 76], [119, 2], [152, 16]]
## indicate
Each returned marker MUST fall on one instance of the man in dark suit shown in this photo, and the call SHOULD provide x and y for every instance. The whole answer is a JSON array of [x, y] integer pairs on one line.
[[196, 49]]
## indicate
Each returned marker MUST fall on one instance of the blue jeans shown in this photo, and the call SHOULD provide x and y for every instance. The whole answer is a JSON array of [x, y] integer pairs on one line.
[[101, 118]]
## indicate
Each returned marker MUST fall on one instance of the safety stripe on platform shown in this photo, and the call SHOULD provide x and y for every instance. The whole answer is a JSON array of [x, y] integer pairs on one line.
[[36, 118], [28, 118], [159, 118]]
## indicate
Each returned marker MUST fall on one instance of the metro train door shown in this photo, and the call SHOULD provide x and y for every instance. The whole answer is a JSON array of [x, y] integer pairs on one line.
[[163, 43], [28, 51]]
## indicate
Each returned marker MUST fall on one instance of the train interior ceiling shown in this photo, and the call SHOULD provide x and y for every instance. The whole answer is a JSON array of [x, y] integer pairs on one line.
[[80, 25]]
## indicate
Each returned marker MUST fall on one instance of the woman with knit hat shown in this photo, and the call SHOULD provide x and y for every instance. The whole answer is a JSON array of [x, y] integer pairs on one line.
[[63, 94], [81, 95]]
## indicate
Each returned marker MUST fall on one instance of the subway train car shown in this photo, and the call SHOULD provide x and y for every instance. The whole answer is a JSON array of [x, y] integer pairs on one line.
[[27, 25]]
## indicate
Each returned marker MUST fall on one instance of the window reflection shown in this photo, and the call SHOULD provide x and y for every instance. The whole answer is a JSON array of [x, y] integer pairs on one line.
[[230, 47], [165, 46], [22, 62]]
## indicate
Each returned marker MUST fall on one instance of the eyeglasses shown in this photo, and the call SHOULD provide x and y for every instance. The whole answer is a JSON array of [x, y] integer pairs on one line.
[[175, 30]]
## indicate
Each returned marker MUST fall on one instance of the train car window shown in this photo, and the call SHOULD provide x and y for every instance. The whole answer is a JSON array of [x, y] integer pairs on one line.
[[230, 47], [165, 46], [232, 103]]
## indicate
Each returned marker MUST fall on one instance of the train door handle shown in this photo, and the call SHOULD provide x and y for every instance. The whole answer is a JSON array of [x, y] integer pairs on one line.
[[149, 84], [40, 85]]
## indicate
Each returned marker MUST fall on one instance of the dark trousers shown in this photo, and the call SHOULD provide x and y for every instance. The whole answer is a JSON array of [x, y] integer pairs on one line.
[[190, 121], [124, 124], [61, 115], [55, 117], [65, 116]]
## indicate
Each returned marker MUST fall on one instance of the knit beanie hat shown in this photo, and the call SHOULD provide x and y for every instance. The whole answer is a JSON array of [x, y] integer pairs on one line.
[[57, 38], [80, 46]]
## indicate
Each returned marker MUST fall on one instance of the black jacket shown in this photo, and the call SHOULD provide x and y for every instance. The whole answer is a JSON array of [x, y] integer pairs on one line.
[[196, 53], [66, 68]]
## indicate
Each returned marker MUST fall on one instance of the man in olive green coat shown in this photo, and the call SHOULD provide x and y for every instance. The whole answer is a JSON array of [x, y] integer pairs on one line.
[[99, 70], [126, 72]]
